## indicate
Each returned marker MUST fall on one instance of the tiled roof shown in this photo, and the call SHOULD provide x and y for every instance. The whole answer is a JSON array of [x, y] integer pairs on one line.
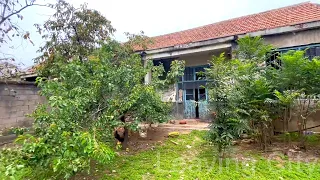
[[286, 16]]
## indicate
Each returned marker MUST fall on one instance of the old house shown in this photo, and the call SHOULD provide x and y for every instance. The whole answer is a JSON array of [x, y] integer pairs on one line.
[[288, 28]]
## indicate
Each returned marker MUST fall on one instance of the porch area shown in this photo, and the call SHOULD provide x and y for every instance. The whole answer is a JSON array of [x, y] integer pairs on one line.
[[190, 95]]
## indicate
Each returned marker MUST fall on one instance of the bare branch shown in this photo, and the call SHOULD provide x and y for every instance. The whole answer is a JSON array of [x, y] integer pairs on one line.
[[18, 11], [4, 8]]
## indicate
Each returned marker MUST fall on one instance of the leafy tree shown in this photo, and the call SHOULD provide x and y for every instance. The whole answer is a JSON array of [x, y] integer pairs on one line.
[[254, 95], [286, 100], [298, 85], [226, 125], [90, 82], [253, 48], [86, 101], [72, 33], [297, 73], [241, 87]]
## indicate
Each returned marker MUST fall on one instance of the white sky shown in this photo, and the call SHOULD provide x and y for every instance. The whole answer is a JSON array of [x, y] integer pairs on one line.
[[154, 17]]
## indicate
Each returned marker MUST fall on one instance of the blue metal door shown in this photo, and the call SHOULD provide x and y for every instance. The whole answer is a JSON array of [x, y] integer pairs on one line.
[[190, 109], [195, 103], [203, 103], [203, 109], [192, 84], [189, 104]]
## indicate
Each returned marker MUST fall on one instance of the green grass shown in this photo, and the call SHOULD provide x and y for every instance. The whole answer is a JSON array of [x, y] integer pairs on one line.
[[193, 158], [171, 161]]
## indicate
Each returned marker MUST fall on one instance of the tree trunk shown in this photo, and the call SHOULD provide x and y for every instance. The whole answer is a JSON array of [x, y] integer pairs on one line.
[[126, 139]]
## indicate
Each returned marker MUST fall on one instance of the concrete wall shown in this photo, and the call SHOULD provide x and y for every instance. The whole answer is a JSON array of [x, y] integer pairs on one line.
[[203, 58], [177, 111], [16, 101], [312, 121], [294, 38]]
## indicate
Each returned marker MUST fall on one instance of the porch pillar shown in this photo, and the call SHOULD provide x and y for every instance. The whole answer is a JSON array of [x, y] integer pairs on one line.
[[147, 78], [234, 47]]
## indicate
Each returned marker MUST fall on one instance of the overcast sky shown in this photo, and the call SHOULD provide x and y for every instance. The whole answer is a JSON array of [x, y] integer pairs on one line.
[[154, 17]]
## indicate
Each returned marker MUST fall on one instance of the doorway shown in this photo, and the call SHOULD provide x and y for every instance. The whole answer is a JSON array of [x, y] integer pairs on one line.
[[194, 100]]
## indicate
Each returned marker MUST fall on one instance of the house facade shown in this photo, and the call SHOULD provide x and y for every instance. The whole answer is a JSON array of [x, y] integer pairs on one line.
[[295, 27]]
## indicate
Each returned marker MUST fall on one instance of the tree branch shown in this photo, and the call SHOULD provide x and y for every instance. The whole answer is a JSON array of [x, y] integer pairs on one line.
[[4, 8], [14, 13]]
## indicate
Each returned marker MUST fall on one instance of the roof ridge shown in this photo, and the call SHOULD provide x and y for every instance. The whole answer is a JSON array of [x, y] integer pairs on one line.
[[198, 27]]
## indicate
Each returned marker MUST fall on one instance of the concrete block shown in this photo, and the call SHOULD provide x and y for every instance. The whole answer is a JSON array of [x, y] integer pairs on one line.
[[7, 98], [25, 123], [21, 119], [4, 92], [32, 108], [9, 120], [13, 92], [29, 92], [35, 97], [3, 121], [4, 110], [17, 103], [30, 102], [22, 97], [15, 114], [22, 108], [6, 115], [5, 103]]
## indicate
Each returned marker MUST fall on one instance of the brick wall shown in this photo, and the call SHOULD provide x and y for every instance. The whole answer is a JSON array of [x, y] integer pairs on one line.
[[17, 99]]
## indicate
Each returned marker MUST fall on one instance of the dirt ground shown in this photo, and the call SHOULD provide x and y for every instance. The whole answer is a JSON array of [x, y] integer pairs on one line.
[[155, 136], [280, 150]]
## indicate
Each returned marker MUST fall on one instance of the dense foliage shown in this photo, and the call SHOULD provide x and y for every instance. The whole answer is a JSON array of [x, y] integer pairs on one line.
[[249, 96], [93, 85], [84, 107]]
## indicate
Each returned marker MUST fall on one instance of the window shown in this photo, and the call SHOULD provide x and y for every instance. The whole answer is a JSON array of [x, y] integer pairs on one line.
[[189, 94], [166, 65], [273, 59], [311, 52], [194, 74], [199, 73], [202, 94]]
